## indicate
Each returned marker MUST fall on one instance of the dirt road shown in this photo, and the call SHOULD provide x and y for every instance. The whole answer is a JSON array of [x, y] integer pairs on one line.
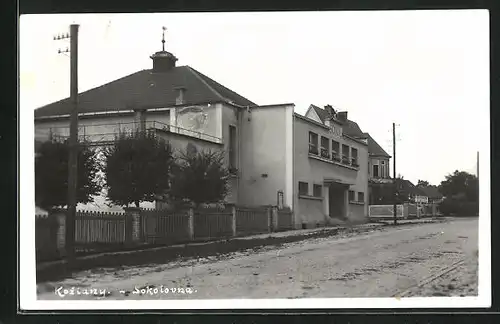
[[381, 263]]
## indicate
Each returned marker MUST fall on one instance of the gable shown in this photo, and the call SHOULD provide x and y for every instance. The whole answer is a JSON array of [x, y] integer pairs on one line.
[[312, 114]]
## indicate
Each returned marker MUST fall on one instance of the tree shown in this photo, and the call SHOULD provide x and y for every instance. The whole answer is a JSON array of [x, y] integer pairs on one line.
[[462, 185], [137, 168], [200, 177], [51, 174], [461, 190], [422, 183]]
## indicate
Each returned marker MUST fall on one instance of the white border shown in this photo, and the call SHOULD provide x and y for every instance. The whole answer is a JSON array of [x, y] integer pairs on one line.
[[27, 283]]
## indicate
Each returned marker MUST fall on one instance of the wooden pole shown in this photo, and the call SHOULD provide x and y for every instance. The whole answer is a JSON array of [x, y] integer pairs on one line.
[[73, 145], [394, 171]]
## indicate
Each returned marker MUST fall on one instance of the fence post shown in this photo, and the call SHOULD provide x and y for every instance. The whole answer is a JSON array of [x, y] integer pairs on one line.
[[270, 219], [234, 220], [60, 216], [191, 223], [275, 219], [132, 225]]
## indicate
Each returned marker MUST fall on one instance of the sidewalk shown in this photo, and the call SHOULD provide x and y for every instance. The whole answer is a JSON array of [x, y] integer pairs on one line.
[[157, 255]]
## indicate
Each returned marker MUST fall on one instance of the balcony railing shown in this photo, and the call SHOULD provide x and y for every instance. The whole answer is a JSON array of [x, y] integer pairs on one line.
[[336, 157], [345, 160], [324, 153], [102, 133], [354, 163]]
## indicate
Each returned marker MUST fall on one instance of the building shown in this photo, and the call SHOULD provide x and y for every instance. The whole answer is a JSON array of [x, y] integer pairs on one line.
[[378, 159], [329, 172], [276, 157]]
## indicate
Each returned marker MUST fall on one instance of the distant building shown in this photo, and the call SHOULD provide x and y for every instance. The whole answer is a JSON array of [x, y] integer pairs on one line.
[[432, 193]]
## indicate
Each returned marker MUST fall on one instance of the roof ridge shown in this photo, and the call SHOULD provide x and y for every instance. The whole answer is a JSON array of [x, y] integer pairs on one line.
[[198, 76], [232, 92]]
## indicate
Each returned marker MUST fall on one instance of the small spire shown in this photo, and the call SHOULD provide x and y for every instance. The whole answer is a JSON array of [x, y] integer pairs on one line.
[[163, 38]]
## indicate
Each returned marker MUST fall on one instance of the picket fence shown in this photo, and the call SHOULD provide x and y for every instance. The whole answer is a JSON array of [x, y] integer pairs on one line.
[[99, 231]]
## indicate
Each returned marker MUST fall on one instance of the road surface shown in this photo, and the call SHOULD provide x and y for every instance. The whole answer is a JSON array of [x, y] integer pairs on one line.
[[382, 263]]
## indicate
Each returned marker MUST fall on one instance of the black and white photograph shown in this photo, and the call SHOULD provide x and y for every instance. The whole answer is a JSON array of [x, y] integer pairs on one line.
[[255, 160]]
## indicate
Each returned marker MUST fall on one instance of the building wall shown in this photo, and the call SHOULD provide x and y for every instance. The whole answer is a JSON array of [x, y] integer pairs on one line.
[[266, 155], [314, 171], [359, 211], [230, 116], [206, 122], [378, 161]]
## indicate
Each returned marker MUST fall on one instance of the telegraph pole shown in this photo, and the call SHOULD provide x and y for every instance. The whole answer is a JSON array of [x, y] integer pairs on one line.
[[394, 171], [73, 140]]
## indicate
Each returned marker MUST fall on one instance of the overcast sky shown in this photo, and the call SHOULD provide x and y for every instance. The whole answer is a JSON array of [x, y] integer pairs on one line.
[[428, 71]]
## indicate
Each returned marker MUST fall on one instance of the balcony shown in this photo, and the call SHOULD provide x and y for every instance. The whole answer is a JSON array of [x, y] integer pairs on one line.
[[332, 159], [354, 163]]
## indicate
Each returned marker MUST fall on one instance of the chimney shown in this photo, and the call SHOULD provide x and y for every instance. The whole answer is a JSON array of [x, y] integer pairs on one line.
[[180, 100], [342, 116]]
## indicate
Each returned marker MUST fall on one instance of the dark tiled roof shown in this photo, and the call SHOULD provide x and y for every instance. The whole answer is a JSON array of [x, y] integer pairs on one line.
[[375, 149], [322, 114], [352, 129], [409, 187], [431, 192], [145, 89]]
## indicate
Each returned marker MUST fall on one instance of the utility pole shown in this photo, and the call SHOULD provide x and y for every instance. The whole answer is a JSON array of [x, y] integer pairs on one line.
[[394, 171], [73, 140]]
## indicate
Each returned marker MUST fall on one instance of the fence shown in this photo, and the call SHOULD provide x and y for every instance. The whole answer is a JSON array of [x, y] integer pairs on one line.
[[385, 211], [212, 223], [253, 221], [98, 231], [403, 211], [162, 226], [285, 220], [93, 228]]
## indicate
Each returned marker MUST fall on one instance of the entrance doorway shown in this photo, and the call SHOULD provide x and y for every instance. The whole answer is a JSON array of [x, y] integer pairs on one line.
[[337, 208]]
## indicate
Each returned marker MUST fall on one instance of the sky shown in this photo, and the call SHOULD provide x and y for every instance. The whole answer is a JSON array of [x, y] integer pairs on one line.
[[426, 71]]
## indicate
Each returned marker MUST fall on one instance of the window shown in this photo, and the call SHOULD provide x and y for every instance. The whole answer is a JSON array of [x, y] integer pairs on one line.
[[361, 196], [351, 195], [345, 154], [325, 150], [313, 143], [354, 157], [232, 146], [317, 190], [375, 171], [303, 188], [336, 151]]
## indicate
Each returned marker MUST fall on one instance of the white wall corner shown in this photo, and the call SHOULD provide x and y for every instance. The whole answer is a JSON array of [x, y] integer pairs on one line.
[[218, 114], [289, 153]]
